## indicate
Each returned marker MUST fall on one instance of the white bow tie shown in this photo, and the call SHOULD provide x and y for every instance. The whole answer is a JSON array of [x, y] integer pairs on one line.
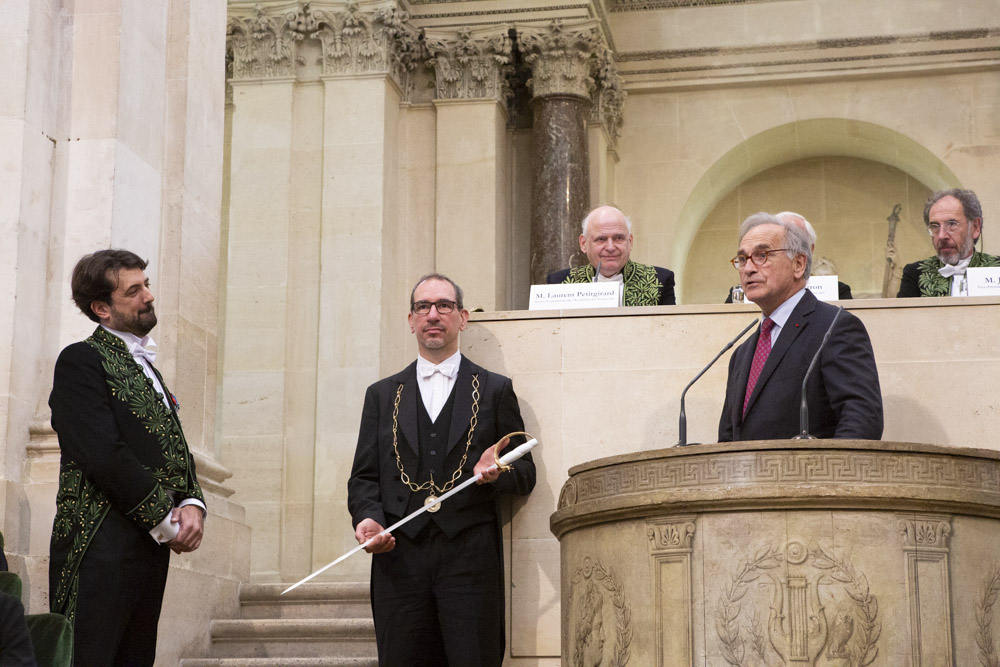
[[950, 270], [139, 351], [427, 370]]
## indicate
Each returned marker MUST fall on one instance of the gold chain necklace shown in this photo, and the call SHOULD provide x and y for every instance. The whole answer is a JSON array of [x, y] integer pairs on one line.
[[429, 484]]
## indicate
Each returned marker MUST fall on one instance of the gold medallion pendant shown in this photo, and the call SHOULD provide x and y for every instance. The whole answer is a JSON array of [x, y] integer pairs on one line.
[[430, 499]]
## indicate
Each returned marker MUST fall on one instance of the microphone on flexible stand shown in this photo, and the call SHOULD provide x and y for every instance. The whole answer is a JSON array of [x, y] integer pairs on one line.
[[682, 425], [597, 273], [803, 407]]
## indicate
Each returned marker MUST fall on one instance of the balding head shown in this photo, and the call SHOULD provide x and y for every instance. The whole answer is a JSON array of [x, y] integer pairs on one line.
[[800, 222], [607, 239]]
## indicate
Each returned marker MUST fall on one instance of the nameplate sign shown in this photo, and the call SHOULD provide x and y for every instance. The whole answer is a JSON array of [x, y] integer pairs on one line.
[[574, 295], [824, 288], [983, 280]]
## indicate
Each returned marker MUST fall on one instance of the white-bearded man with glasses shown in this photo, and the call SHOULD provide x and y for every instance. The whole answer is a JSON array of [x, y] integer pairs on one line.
[[954, 219]]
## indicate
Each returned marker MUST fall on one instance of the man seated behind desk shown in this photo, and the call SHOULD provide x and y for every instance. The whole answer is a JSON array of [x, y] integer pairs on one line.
[[607, 242], [843, 289], [954, 219], [766, 372]]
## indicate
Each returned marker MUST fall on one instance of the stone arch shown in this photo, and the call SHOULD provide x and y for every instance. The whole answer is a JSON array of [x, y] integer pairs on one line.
[[794, 141]]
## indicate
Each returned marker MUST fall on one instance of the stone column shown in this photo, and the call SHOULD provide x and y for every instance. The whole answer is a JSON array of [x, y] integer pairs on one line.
[[367, 59], [472, 188], [263, 54], [562, 60]]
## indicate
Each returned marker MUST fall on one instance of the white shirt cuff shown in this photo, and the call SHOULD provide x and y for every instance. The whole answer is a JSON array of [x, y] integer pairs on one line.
[[166, 530]]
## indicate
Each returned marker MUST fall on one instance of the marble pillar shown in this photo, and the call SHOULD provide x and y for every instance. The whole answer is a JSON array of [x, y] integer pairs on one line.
[[566, 62], [560, 188]]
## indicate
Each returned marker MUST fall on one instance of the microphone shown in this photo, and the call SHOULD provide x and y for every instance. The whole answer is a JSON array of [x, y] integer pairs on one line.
[[682, 425], [597, 273], [803, 408]]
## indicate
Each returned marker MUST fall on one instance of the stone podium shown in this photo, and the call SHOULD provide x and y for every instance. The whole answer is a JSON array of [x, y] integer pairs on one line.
[[837, 553]]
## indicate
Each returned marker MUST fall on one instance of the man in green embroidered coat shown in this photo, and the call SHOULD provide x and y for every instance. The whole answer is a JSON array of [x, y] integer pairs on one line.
[[607, 242], [954, 219], [128, 493]]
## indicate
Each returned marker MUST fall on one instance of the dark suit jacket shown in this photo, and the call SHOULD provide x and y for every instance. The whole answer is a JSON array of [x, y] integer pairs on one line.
[[843, 392], [121, 450], [375, 489], [843, 292], [665, 278]]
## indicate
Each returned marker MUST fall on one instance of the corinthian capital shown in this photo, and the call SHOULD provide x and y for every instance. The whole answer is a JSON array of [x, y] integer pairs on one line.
[[470, 64], [262, 44], [562, 57], [363, 41], [608, 97]]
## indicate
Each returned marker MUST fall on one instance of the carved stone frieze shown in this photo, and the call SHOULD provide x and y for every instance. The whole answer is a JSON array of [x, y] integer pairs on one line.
[[470, 64], [351, 39], [783, 468], [563, 57], [924, 531], [262, 45]]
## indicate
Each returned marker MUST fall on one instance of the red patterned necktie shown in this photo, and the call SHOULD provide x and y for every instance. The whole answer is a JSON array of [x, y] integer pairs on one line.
[[759, 358]]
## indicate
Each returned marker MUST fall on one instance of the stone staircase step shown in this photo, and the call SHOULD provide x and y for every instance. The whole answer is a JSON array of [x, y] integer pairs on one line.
[[279, 662], [294, 638], [324, 600]]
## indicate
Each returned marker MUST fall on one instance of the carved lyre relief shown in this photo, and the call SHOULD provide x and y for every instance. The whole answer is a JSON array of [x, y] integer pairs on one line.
[[816, 605]]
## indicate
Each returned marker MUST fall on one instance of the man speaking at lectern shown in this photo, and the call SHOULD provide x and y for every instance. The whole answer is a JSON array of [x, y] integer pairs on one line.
[[437, 581], [764, 389]]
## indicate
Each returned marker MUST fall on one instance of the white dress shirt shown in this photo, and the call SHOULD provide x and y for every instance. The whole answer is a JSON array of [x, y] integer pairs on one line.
[[436, 382]]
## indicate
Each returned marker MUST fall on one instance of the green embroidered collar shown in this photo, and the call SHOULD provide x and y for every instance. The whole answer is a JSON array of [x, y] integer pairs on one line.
[[642, 287], [932, 283]]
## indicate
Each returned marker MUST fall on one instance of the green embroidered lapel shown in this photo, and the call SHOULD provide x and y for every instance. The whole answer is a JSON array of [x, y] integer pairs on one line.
[[932, 283], [642, 287]]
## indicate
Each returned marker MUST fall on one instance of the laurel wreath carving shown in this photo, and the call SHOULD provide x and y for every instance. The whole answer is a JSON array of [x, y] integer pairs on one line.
[[864, 644], [728, 615], [984, 620], [623, 612]]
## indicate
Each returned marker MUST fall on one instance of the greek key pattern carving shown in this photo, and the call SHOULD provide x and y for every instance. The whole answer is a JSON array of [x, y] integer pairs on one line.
[[924, 531], [670, 535], [470, 65], [351, 41], [789, 467]]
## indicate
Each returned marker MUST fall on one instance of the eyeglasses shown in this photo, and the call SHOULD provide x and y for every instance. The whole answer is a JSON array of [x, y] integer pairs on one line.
[[951, 227], [759, 258], [444, 306]]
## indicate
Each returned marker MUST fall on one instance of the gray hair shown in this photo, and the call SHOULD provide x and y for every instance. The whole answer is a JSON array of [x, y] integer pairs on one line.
[[793, 215], [797, 241], [970, 203], [586, 219], [439, 276]]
